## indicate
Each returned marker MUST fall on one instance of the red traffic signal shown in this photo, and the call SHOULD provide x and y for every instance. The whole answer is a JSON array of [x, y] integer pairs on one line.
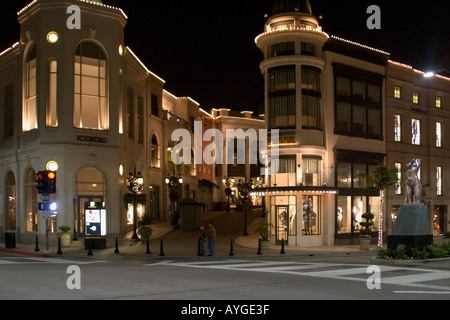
[[46, 182]]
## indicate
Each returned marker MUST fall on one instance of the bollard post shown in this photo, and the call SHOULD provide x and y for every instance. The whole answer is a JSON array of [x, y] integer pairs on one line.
[[59, 246], [89, 247], [116, 246], [161, 249], [259, 247], [282, 247], [148, 246], [231, 248], [36, 247]]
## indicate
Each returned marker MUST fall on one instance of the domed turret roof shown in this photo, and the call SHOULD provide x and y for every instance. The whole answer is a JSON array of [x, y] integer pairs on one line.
[[284, 6]]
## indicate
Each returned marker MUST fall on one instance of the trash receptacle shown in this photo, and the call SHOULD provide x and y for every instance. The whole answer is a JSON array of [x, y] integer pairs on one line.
[[10, 240], [190, 214]]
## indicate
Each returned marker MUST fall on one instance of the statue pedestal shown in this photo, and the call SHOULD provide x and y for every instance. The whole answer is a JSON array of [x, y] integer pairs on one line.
[[412, 228]]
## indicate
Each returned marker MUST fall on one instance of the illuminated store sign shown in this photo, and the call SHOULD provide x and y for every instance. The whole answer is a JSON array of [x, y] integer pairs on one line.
[[95, 219]]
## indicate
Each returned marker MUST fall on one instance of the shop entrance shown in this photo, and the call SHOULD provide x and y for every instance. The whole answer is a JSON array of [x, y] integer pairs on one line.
[[90, 186], [81, 222], [281, 224]]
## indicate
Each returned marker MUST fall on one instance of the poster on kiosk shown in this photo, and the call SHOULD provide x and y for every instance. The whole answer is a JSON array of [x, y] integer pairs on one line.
[[95, 219]]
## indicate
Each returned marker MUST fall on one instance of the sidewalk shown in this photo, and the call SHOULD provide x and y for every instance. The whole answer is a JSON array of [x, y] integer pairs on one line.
[[183, 244]]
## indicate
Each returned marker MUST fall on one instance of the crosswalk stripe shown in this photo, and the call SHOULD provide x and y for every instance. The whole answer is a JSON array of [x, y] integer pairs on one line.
[[334, 271]]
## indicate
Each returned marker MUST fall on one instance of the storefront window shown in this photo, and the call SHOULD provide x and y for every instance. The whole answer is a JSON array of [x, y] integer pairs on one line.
[[350, 211], [311, 215]]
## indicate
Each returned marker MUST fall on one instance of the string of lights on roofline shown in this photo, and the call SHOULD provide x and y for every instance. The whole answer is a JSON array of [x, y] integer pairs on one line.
[[85, 1], [284, 28]]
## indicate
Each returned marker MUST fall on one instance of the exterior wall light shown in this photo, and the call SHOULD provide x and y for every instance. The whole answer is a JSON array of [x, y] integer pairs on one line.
[[52, 37]]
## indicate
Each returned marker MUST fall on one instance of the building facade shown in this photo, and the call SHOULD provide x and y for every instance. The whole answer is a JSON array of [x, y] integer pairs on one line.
[[336, 105], [418, 121]]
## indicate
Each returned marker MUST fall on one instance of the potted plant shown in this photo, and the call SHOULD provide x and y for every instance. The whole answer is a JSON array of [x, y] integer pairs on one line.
[[264, 231], [365, 232], [65, 236]]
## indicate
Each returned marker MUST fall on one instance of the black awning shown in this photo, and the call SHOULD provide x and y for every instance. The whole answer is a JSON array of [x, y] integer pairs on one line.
[[208, 183]]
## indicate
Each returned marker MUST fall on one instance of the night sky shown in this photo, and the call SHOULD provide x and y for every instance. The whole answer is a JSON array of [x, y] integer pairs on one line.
[[206, 49]]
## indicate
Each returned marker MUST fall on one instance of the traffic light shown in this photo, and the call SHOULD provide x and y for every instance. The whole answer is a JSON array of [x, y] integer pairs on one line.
[[46, 182], [51, 182], [41, 182]]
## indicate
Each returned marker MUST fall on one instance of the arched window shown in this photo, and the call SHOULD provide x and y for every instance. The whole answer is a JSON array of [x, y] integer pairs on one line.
[[31, 202], [156, 161], [11, 201], [29, 116], [91, 109], [52, 93]]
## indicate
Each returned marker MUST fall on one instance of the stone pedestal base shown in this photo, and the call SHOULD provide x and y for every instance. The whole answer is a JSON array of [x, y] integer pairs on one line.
[[409, 241], [412, 228]]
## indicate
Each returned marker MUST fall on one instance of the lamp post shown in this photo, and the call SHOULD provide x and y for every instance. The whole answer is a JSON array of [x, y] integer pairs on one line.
[[135, 184], [173, 182], [228, 184], [244, 195]]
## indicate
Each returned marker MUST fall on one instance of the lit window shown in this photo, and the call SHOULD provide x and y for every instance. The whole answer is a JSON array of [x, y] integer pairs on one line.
[[416, 99], [52, 105], [90, 99], [29, 120], [398, 128], [439, 181], [438, 102], [397, 92], [398, 185], [415, 130], [156, 162], [439, 134]]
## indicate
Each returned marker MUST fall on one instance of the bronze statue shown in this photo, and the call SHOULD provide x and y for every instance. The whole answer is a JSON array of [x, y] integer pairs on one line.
[[413, 185]]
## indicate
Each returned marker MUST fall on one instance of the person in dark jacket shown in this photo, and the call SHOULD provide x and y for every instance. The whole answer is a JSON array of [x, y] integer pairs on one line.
[[202, 239], [211, 234]]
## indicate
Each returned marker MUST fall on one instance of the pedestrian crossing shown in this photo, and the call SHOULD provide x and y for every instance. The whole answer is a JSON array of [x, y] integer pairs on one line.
[[393, 275]]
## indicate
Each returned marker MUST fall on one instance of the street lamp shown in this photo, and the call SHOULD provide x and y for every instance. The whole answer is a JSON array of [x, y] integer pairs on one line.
[[173, 182], [431, 74], [228, 184], [244, 196], [135, 184]]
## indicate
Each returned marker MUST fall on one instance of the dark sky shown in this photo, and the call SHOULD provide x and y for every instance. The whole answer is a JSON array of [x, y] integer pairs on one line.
[[206, 49]]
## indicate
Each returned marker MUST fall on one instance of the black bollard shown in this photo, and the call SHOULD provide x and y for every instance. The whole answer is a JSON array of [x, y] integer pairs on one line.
[[259, 247], [282, 247], [148, 246], [116, 249], [231, 248], [161, 249], [89, 247], [59, 246], [36, 248]]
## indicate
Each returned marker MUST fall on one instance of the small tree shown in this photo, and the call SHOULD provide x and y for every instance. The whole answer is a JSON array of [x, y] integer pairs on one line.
[[367, 224], [382, 178]]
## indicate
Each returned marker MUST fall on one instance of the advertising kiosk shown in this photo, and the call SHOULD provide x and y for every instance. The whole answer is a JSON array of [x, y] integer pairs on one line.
[[95, 225]]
